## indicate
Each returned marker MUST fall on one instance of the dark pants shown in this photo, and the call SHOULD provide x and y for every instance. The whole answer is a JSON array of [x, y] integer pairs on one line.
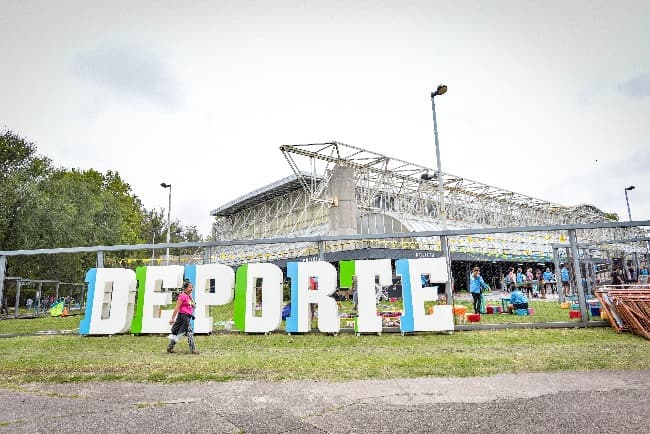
[[182, 326], [477, 302]]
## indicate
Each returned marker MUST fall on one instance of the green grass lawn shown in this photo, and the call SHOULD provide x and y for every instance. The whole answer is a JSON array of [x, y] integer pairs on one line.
[[545, 311], [235, 356]]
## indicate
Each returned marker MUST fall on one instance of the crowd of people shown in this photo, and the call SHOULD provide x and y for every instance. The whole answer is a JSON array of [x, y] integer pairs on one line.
[[518, 299], [628, 275], [537, 283], [534, 283]]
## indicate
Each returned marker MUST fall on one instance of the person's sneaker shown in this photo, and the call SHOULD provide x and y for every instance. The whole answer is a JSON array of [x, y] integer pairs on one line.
[[194, 352], [170, 350]]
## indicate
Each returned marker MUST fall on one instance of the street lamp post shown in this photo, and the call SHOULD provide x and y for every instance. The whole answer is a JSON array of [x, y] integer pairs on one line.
[[629, 215], [441, 90], [169, 225]]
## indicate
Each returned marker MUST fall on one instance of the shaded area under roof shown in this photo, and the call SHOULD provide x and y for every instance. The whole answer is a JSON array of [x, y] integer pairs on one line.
[[277, 188]]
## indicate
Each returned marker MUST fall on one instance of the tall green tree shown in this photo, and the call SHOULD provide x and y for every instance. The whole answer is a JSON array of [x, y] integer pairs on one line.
[[73, 208], [46, 207], [21, 172], [154, 230]]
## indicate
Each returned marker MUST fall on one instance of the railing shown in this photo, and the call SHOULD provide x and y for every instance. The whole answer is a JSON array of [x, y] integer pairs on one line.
[[318, 247]]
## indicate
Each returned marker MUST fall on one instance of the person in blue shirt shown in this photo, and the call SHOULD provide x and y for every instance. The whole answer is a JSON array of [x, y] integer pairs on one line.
[[286, 311], [644, 270], [520, 276], [518, 300], [548, 279], [564, 276], [548, 276], [476, 286]]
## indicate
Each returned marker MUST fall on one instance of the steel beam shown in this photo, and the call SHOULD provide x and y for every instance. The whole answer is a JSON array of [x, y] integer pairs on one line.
[[577, 274]]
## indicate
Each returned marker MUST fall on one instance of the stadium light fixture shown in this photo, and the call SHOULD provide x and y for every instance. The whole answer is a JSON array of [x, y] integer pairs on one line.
[[441, 90]]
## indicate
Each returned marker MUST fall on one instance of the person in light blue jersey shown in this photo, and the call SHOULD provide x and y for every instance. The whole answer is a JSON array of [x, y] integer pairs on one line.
[[518, 300], [520, 276], [548, 280], [476, 286], [564, 276]]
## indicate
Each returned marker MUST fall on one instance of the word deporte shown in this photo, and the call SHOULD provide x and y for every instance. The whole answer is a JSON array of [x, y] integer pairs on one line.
[[122, 301]]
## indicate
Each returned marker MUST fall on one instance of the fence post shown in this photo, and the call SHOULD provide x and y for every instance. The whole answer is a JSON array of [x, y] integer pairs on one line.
[[321, 250], [577, 274], [17, 303], [100, 259], [444, 247], [40, 294], [590, 276], [3, 269]]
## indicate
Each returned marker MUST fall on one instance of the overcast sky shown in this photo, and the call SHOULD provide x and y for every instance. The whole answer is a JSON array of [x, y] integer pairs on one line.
[[546, 98]]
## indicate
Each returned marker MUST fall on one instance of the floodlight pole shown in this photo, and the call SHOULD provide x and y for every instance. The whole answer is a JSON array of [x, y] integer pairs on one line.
[[442, 89], [441, 188], [169, 224], [629, 216], [627, 201]]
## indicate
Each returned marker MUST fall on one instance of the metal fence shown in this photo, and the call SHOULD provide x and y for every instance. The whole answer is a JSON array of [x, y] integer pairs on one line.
[[29, 297], [590, 252]]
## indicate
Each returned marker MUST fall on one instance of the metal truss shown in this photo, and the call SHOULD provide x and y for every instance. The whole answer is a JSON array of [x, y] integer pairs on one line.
[[395, 190], [289, 213], [390, 184]]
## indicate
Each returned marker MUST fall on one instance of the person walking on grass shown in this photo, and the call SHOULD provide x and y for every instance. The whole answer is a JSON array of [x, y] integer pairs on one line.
[[476, 286], [181, 317]]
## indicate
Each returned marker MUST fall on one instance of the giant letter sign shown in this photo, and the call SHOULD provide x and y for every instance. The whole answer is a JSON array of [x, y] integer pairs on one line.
[[366, 271], [414, 295], [246, 302], [111, 296], [150, 316], [224, 284], [302, 296], [112, 305]]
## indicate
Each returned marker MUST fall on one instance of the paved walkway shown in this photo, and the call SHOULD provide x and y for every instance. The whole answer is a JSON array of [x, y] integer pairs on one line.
[[570, 402]]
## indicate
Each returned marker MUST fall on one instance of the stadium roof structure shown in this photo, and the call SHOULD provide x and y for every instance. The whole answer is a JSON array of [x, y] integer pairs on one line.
[[470, 201], [260, 195], [394, 190]]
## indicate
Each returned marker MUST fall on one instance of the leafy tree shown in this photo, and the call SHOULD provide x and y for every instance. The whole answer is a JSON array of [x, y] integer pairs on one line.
[[46, 207], [21, 171], [154, 229]]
